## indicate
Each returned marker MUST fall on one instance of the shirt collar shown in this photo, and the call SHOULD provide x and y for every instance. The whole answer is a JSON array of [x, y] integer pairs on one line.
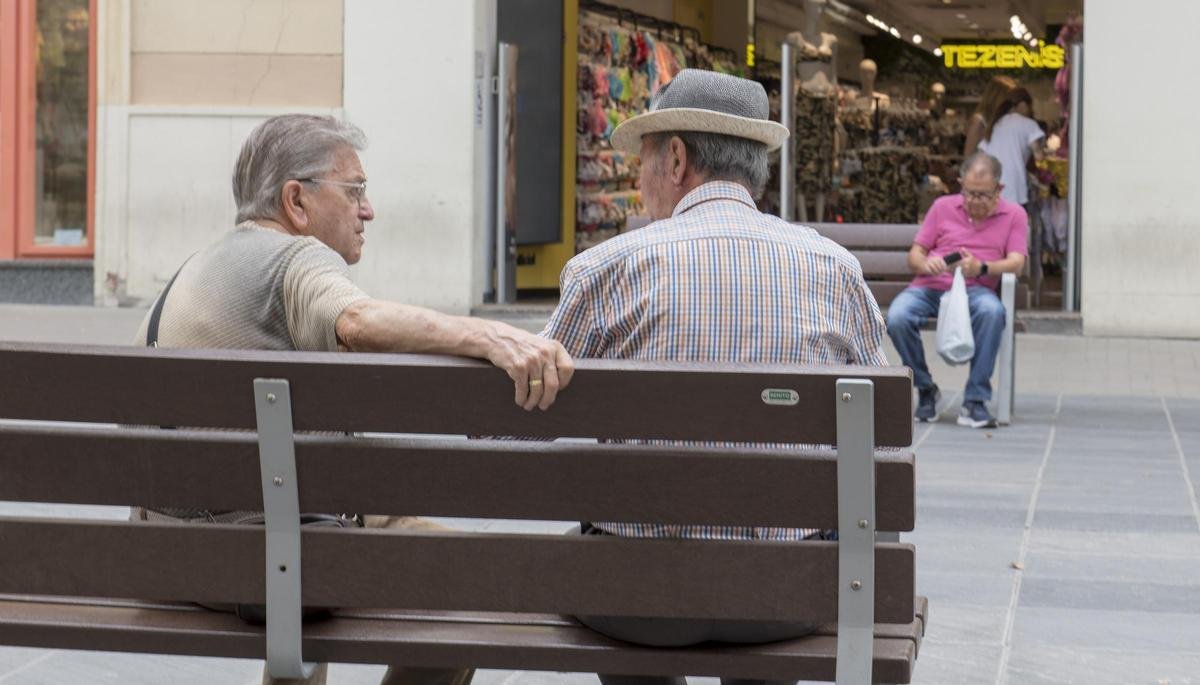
[[1002, 207], [715, 190]]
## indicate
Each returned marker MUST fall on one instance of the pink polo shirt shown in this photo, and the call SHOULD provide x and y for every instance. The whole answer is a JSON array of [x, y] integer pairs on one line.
[[948, 228]]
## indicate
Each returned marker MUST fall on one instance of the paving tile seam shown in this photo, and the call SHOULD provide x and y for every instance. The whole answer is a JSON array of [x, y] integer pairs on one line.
[[1010, 618], [1106, 651], [28, 665], [1183, 464]]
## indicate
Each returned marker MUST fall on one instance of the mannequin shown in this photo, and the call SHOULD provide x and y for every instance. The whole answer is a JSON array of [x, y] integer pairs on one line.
[[867, 71], [817, 76], [815, 43], [816, 69], [937, 104]]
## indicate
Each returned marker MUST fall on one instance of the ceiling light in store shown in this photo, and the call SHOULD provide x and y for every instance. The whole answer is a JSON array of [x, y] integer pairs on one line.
[[937, 52], [1033, 42], [960, 15], [1014, 20], [916, 38], [1027, 35], [895, 32]]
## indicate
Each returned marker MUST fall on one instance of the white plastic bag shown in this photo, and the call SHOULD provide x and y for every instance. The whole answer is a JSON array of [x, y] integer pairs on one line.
[[955, 341]]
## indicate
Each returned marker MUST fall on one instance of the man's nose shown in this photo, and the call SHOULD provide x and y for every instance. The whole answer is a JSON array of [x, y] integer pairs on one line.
[[365, 211]]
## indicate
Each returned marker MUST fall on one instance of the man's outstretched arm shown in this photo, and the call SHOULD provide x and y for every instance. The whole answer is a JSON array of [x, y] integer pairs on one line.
[[371, 325]]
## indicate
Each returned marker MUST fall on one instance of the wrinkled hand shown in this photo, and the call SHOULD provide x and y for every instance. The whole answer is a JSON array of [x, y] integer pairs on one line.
[[540, 367], [970, 266], [934, 266]]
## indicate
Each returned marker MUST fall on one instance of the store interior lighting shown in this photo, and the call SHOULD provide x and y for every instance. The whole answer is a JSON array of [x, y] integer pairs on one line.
[[1019, 30], [883, 26]]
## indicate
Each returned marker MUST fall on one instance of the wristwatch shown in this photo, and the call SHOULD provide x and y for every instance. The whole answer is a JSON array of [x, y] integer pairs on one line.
[[983, 268]]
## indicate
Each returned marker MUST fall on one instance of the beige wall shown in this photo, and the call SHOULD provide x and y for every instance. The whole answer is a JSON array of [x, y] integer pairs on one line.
[[1141, 231], [182, 82], [245, 53]]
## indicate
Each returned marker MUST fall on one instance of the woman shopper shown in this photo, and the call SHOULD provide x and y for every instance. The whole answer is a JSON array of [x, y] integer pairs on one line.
[[1014, 137], [993, 96]]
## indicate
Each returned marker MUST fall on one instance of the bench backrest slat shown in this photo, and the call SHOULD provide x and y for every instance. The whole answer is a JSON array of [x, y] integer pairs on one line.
[[423, 394], [484, 572], [855, 237], [872, 243], [892, 266], [438, 477]]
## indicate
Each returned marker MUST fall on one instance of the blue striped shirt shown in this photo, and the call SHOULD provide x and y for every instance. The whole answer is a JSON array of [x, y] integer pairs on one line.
[[718, 281]]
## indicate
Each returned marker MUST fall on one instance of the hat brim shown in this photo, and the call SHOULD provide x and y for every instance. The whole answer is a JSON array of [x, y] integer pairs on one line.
[[627, 137]]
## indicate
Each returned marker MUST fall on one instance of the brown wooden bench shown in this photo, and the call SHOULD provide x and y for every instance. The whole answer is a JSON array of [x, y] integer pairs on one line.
[[274, 437], [882, 250]]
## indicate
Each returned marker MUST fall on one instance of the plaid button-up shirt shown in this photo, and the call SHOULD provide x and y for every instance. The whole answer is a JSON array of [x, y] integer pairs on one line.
[[718, 281]]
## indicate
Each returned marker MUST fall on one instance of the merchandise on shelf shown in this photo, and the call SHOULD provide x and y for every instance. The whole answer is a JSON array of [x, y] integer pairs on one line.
[[816, 121], [947, 135], [621, 64], [885, 161], [890, 181]]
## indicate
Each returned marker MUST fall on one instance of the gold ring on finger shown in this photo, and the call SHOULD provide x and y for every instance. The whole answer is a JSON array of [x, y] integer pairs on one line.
[[535, 382]]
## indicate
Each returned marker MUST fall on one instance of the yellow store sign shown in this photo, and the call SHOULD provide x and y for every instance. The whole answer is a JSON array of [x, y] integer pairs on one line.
[[1003, 56]]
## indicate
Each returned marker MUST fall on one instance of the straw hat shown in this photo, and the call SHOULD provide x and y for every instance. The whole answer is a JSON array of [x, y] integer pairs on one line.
[[706, 101]]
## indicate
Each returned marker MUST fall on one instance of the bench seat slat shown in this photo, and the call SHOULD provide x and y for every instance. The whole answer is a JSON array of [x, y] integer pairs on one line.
[[407, 393], [458, 478], [911, 631], [475, 571], [562, 646]]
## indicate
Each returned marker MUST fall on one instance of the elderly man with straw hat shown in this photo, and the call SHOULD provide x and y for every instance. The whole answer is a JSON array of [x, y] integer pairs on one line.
[[711, 279]]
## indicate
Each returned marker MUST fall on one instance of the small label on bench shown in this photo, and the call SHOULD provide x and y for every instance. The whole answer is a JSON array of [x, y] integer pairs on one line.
[[780, 397]]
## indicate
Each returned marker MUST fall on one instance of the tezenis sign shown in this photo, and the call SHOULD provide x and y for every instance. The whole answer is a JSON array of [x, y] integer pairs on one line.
[[1003, 56]]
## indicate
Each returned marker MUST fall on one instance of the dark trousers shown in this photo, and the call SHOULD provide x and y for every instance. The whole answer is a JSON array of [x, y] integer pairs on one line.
[[681, 632]]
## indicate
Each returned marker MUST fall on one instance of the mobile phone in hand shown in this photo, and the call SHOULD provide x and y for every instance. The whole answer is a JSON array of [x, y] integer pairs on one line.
[[952, 258]]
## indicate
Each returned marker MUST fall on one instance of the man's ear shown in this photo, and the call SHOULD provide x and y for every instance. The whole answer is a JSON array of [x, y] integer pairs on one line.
[[293, 202], [677, 161]]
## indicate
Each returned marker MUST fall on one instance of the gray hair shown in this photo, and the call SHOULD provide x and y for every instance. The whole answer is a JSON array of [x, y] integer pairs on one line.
[[980, 160], [283, 148], [722, 158]]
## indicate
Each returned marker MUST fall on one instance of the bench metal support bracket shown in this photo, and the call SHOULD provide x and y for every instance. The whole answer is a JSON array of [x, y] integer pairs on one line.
[[281, 511], [855, 401], [1006, 357]]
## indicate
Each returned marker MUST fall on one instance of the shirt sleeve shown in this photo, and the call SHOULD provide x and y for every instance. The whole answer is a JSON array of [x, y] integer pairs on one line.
[[1033, 132], [1018, 233], [927, 236], [573, 323], [316, 288], [866, 327]]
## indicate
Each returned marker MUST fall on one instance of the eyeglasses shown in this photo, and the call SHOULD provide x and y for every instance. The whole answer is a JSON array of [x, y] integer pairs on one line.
[[358, 190], [974, 195]]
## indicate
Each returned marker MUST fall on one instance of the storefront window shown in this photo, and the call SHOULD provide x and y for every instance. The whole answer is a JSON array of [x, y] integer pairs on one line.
[[61, 152]]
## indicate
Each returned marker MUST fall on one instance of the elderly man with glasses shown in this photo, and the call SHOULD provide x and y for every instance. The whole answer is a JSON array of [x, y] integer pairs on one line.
[[990, 234], [279, 280]]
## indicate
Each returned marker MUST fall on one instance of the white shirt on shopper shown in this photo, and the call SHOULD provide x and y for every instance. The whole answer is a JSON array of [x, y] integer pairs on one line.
[[1010, 144]]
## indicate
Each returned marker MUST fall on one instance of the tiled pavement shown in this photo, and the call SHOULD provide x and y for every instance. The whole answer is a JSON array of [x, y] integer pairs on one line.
[[1061, 549]]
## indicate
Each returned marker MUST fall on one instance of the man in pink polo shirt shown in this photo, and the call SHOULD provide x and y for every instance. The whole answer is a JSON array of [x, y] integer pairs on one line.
[[990, 234]]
